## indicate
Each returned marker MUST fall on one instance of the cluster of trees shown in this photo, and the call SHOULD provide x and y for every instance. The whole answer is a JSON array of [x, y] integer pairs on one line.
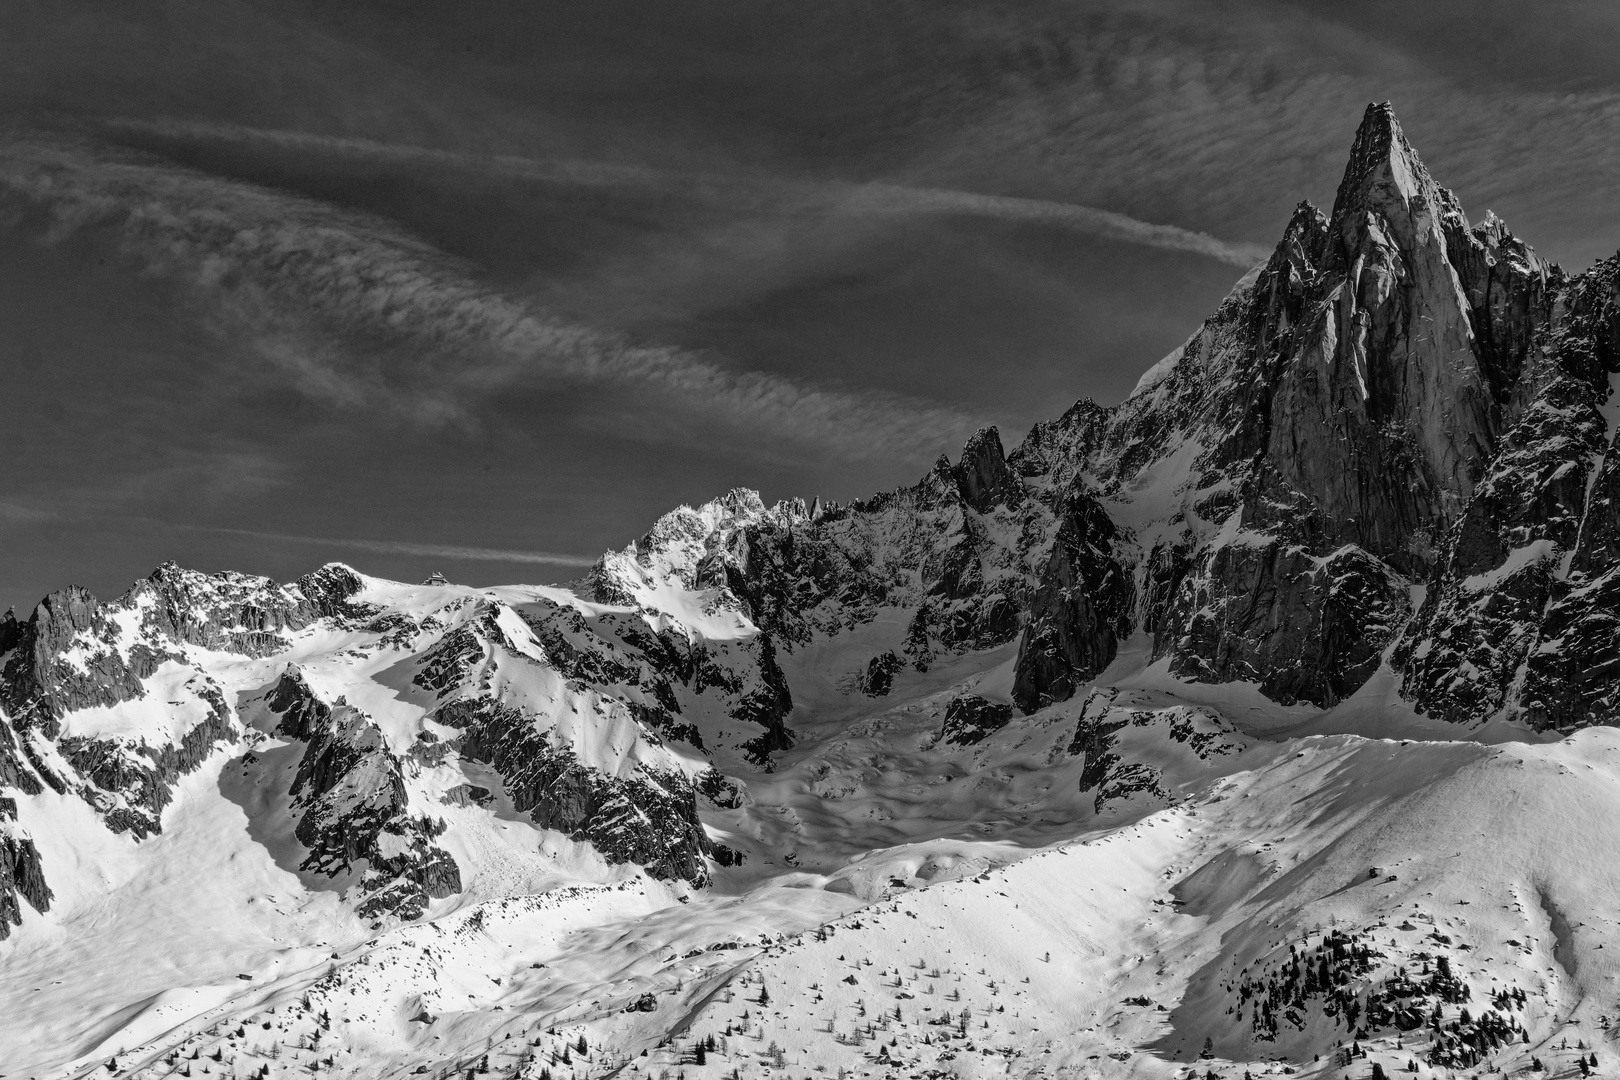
[[1507, 1000], [1400, 999], [1465, 1041], [1324, 971], [1346, 1054], [1327, 971], [702, 1049], [228, 1051]]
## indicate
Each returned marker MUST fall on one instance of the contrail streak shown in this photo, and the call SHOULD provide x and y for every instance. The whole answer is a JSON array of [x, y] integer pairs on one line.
[[903, 199], [407, 547]]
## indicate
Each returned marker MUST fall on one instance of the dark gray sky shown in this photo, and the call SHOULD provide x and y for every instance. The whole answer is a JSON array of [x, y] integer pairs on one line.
[[283, 282]]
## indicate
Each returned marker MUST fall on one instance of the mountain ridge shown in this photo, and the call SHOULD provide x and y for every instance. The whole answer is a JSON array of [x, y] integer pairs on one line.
[[1372, 492]]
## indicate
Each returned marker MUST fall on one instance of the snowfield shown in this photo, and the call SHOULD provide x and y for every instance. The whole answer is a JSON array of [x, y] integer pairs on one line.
[[906, 906]]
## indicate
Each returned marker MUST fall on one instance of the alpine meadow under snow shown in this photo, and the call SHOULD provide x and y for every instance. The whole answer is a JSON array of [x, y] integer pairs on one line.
[[1261, 724]]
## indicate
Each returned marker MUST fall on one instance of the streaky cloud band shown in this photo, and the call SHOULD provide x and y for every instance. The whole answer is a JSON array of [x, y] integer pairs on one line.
[[405, 547], [295, 278], [833, 197]]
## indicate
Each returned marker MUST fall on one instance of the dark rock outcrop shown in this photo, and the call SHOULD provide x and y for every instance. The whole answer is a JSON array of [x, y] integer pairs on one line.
[[982, 474], [122, 642], [22, 874], [1572, 671], [1303, 627], [879, 674], [131, 783], [1518, 621], [647, 815], [651, 820], [1106, 767], [76, 653], [970, 719], [768, 703], [353, 807], [1104, 770], [1079, 612]]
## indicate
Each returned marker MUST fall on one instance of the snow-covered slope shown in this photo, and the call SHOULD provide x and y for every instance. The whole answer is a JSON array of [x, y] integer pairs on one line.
[[1261, 723]]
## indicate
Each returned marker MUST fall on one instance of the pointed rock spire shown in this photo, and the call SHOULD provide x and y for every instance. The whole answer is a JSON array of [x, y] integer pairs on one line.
[[1383, 168], [1293, 267], [1380, 420], [982, 475]]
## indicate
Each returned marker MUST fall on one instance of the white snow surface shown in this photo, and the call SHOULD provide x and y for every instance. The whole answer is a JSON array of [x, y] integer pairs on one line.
[[907, 907]]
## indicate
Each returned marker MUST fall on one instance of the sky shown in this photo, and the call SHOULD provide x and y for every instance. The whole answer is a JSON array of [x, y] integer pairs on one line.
[[484, 288]]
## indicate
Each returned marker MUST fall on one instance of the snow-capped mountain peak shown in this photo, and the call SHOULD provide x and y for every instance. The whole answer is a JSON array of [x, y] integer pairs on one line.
[[1261, 722]]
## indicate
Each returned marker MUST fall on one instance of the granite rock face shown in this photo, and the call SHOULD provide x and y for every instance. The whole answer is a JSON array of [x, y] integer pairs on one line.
[[353, 808], [644, 808], [1405, 400], [22, 876], [1079, 612], [982, 475], [1303, 627], [963, 553], [1525, 615], [1381, 412], [1357, 418], [650, 819], [1396, 399]]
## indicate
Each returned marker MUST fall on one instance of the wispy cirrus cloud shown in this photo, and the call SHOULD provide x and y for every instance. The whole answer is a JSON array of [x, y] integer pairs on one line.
[[739, 191], [1220, 117], [353, 312], [17, 514]]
